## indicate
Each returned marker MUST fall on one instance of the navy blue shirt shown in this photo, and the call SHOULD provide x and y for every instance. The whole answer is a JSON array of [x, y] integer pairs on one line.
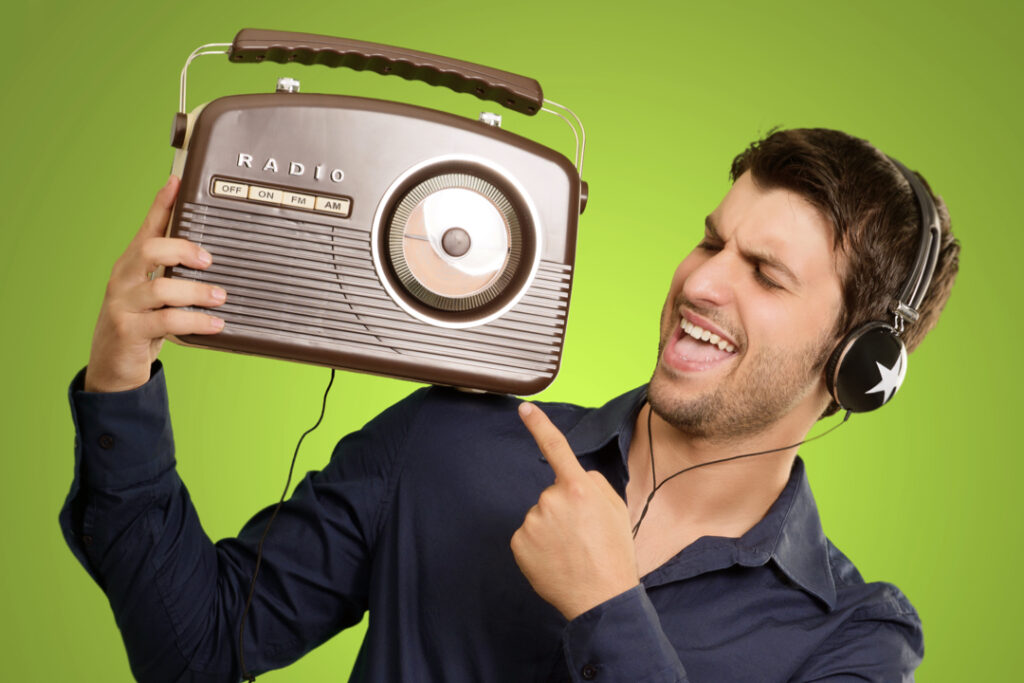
[[411, 520]]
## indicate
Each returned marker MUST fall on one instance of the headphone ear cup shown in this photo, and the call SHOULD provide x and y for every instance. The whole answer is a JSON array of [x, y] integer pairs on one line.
[[867, 367]]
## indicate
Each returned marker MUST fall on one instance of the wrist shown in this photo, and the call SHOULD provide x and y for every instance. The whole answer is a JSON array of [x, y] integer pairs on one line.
[[96, 381], [106, 385], [597, 595]]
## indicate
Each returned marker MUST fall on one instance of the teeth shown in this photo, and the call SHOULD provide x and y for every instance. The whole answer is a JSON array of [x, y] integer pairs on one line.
[[699, 333]]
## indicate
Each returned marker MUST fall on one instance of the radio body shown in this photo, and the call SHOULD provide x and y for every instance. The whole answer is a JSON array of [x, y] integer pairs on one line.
[[378, 236]]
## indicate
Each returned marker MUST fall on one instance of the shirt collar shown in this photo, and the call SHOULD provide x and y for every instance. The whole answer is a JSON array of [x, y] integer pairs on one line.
[[790, 533], [614, 419]]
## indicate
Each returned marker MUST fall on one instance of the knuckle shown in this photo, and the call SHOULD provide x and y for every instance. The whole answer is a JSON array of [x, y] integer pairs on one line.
[[148, 250], [529, 521], [166, 317], [162, 249], [576, 489], [117, 271], [549, 443], [147, 245], [520, 545], [121, 326], [160, 289]]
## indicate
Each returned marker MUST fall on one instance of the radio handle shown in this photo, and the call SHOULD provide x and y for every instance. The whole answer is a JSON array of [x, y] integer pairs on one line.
[[515, 92]]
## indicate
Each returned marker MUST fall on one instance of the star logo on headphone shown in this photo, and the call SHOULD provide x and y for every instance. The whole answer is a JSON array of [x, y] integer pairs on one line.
[[890, 378]]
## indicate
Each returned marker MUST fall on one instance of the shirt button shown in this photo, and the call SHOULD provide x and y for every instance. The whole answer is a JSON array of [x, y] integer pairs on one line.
[[589, 672], [87, 540], [106, 442]]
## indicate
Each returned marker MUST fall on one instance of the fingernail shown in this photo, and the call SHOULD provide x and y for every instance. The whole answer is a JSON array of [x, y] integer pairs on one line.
[[204, 257], [218, 294], [216, 324], [525, 408], [169, 179]]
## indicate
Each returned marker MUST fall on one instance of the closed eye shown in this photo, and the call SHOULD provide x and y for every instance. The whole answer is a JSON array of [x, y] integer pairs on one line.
[[764, 280], [708, 244], [759, 258]]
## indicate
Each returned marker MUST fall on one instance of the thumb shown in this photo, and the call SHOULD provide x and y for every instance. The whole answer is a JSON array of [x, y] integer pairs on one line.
[[155, 223]]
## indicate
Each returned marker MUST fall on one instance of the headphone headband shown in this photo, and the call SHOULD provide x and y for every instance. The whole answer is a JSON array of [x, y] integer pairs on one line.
[[906, 304], [869, 364]]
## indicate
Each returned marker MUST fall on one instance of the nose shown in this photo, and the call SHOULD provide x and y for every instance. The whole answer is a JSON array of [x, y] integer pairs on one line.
[[711, 283]]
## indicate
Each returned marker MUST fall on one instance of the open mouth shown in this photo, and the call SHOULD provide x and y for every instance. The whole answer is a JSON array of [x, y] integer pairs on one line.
[[695, 348], [700, 334]]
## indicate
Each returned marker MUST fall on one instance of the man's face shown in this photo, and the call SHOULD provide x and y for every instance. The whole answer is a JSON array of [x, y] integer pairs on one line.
[[763, 286]]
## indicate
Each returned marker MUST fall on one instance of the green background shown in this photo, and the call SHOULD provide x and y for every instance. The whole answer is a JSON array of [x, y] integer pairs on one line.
[[924, 494]]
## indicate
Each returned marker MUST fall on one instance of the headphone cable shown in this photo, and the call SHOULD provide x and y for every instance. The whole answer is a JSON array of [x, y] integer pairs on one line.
[[259, 552], [654, 482]]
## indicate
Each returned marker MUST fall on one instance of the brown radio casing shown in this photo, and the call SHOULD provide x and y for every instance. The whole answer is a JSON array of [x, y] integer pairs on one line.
[[308, 203]]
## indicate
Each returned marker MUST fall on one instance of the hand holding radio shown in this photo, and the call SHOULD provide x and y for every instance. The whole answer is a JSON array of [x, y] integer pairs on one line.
[[137, 311], [574, 546]]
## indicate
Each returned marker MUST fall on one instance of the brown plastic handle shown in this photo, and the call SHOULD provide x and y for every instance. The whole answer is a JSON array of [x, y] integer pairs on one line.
[[518, 93]]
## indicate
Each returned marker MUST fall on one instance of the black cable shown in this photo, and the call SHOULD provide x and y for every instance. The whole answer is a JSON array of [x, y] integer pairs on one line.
[[259, 551], [656, 486]]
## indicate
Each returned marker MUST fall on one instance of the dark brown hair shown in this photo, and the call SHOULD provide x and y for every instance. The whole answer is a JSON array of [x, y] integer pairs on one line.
[[873, 212]]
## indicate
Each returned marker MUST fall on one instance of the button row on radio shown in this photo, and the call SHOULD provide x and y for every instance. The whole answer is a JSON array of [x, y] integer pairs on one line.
[[270, 195]]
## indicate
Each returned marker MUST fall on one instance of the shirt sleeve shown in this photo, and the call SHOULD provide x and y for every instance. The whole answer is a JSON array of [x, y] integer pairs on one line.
[[880, 643], [176, 596], [621, 640]]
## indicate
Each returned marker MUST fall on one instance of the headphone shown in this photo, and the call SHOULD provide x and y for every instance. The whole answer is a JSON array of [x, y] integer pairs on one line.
[[869, 364]]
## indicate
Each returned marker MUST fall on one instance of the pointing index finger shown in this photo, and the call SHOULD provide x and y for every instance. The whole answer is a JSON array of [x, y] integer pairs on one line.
[[551, 441]]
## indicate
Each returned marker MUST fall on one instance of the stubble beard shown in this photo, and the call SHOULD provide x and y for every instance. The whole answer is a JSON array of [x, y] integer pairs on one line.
[[771, 386]]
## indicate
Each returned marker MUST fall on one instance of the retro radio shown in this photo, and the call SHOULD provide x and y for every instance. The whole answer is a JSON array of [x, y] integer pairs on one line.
[[378, 236]]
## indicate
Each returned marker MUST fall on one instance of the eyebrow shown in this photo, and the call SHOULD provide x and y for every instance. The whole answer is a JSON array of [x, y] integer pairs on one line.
[[755, 256]]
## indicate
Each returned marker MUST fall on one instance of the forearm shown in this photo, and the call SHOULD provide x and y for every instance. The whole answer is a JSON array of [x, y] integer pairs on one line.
[[130, 522], [177, 597]]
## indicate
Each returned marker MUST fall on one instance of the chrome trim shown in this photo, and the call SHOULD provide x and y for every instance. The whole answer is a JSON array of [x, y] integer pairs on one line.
[[198, 52], [581, 146], [378, 220]]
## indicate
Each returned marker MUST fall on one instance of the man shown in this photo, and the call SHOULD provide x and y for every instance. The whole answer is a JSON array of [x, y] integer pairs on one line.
[[484, 551]]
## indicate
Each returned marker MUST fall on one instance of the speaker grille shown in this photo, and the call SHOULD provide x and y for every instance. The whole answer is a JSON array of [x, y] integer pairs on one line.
[[312, 285]]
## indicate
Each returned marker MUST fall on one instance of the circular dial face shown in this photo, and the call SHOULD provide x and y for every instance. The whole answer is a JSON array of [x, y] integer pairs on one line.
[[454, 242]]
